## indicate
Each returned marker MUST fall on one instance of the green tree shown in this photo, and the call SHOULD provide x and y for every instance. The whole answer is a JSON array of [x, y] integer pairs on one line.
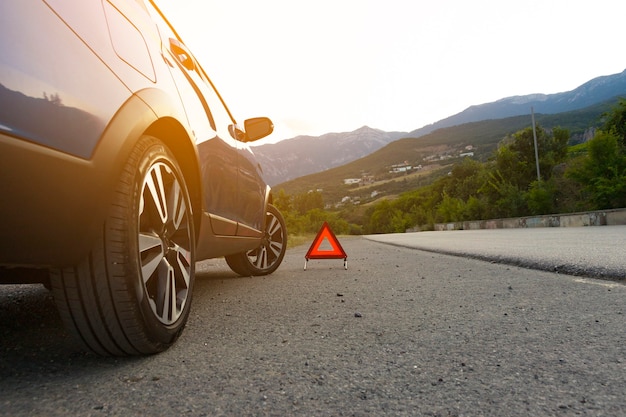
[[602, 172], [540, 197], [308, 201], [557, 147], [466, 179], [506, 199], [515, 158], [616, 122], [475, 209], [450, 209], [282, 201], [387, 218], [514, 188]]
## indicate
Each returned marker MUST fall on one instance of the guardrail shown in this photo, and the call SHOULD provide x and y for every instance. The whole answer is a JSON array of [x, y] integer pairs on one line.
[[588, 218]]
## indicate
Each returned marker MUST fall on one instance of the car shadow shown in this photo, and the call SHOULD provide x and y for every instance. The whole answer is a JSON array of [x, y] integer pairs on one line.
[[33, 339]]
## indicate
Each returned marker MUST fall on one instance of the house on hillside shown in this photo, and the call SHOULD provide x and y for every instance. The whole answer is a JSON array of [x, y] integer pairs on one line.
[[401, 168], [469, 152], [365, 179]]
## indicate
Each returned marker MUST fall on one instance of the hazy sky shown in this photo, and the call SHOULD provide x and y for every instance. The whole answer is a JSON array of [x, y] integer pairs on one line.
[[325, 66]]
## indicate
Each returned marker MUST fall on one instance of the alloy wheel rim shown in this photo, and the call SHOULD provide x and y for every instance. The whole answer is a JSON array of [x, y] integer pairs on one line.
[[266, 255], [165, 243]]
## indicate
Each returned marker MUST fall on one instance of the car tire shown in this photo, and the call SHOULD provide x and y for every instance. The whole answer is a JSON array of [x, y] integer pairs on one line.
[[268, 256], [132, 294]]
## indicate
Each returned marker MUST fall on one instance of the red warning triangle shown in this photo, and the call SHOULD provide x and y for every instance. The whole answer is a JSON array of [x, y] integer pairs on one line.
[[325, 237]]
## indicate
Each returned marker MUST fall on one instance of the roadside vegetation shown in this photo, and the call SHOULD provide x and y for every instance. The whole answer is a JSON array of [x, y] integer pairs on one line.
[[587, 176]]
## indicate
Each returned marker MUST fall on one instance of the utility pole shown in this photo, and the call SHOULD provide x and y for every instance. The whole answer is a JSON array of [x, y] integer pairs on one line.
[[532, 112]]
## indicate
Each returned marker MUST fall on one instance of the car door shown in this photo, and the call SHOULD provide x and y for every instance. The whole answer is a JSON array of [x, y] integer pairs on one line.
[[220, 165], [243, 191], [233, 185], [217, 151], [252, 194]]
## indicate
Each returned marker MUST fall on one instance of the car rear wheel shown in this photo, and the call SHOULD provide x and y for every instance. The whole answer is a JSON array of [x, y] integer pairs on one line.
[[132, 294], [268, 256]]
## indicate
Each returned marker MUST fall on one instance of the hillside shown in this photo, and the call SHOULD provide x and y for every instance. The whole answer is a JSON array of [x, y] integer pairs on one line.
[[303, 155], [433, 152]]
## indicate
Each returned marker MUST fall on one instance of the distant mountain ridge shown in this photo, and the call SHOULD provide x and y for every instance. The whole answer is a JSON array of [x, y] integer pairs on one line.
[[592, 92], [303, 155]]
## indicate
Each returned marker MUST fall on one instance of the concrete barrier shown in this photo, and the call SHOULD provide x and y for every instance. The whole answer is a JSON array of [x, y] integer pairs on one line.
[[588, 218], [615, 217]]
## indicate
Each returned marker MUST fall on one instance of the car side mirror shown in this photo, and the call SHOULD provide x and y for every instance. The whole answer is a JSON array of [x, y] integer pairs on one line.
[[257, 128]]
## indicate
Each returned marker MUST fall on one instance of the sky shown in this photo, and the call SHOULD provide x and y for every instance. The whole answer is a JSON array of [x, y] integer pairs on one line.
[[323, 66]]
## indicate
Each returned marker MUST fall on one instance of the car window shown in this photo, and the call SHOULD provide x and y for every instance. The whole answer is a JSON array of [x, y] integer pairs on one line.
[[221, 115]]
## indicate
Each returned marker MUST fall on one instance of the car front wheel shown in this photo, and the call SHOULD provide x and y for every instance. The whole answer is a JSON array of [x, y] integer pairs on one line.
[[132, 294], [268, 256]]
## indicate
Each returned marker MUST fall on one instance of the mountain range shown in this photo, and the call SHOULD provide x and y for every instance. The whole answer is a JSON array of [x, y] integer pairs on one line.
[[303, 155]]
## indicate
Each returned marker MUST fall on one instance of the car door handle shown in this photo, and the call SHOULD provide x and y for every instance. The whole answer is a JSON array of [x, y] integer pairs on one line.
[[182, 54]]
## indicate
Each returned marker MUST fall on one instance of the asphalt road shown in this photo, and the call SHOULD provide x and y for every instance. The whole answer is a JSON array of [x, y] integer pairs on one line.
[[402, 332], [586, 251]]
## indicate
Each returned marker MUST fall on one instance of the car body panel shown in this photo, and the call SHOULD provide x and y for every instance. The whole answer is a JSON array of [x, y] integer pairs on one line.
[[252, 194], [34, 82], [80, 83], [54, 203]]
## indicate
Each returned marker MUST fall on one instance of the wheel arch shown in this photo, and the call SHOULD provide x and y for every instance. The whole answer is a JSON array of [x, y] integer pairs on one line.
[[174, 135], [78, 196], [269, 196], [168, 125]]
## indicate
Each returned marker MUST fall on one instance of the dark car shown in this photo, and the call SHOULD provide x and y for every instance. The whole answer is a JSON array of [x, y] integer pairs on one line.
[[120, 167]]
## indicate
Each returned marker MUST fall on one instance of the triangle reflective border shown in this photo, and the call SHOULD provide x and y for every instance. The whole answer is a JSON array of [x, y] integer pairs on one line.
[[316, 251]]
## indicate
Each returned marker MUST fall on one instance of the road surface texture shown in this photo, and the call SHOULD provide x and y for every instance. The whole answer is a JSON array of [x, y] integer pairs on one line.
[[402, 332], [586, 251]]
